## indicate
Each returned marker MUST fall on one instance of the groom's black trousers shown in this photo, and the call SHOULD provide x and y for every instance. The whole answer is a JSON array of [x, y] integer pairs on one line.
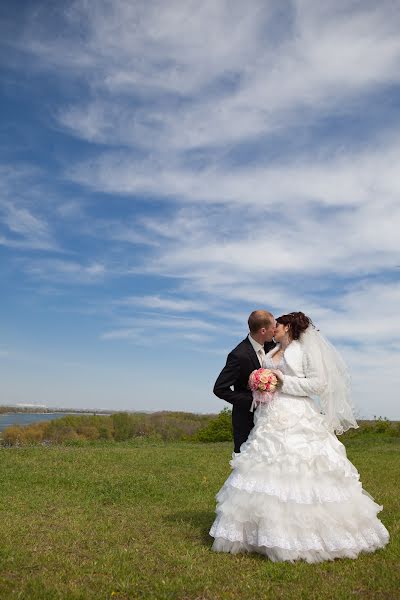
[[232, 386]]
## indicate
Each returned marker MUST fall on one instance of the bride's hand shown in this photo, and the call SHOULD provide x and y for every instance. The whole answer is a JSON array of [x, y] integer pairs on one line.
[[278, 374]]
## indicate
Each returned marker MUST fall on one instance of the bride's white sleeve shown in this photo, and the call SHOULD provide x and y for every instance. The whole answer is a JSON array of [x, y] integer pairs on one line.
[[312, 383]]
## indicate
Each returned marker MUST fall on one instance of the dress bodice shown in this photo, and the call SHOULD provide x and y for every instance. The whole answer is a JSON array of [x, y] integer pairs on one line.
[[282, 364]]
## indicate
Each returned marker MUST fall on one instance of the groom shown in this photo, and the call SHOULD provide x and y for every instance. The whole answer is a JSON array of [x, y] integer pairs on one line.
[[241, 361]]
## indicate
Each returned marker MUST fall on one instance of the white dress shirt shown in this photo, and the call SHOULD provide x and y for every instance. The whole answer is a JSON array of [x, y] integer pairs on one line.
[[258, 349]]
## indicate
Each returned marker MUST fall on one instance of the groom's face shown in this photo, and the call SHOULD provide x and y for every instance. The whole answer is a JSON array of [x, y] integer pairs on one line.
[[268, 332]]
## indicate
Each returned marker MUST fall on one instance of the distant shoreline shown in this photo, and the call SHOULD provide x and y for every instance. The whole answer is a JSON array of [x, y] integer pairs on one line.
[[87, 411], [45, 411]]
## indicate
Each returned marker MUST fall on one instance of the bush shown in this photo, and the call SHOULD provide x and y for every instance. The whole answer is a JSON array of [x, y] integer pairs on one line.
[[35, 433], [105, 433], [126, 426], [396, 430], [88, 432], [382, 425], [217, 430], [18, 435], [171, 427], [13, 436], [62, 434]]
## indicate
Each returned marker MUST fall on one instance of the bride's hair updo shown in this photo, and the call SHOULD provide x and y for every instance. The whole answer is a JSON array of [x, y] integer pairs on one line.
[[297, 322]]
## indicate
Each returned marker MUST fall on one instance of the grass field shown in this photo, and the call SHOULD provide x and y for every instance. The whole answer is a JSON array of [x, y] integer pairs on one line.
[[131, 520]]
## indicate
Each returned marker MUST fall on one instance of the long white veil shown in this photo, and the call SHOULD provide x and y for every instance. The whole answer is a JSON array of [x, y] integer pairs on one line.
[[336, 401]]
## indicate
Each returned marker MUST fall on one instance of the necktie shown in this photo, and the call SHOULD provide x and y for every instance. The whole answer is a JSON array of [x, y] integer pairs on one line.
[[261, 356]]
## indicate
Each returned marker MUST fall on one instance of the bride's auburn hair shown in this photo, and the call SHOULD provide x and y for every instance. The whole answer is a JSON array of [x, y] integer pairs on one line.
[[297, 322]]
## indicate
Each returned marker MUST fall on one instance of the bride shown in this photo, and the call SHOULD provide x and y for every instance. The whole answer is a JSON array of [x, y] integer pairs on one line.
[[293, 494]]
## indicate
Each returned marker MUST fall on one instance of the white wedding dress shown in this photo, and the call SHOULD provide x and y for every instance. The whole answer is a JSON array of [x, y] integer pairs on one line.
[[293, 494]]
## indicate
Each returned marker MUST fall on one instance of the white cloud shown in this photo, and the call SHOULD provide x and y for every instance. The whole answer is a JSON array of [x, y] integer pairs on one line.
[[168, 304], [71, 209], [64, 271], [216, 73], [345, 178], [216, 247], [125, 334], [149, 321], [24, 218], [367, 314], [171, 76]]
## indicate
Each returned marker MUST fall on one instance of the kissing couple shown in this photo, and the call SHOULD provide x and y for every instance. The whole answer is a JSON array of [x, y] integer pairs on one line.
[[292, 493]]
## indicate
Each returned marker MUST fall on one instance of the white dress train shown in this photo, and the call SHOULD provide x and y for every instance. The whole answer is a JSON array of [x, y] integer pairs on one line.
[[293, 494]]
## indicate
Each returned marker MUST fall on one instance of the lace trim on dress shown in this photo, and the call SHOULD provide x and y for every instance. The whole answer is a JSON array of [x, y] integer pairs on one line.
[[307, 495], [367, 539]]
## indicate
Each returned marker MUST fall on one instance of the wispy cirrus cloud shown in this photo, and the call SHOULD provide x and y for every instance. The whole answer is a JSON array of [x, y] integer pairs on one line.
[[171, 327], [334, 178], [22, 224], [25, 230], [262, 69], [259, 70], [216, 244], [169, 304], [212, 98], [65, 271]]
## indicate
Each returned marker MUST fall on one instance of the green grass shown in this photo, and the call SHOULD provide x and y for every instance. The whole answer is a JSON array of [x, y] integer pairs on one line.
[[131, 520]]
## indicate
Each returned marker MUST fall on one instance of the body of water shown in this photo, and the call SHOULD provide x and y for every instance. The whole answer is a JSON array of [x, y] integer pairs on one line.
[[8, 419]]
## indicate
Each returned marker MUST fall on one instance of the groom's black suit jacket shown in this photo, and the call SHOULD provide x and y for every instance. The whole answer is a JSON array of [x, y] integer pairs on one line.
[[239, 364]]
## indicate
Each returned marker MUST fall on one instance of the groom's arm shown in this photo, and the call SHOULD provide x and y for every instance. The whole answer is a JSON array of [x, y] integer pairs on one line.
[[229, 377]]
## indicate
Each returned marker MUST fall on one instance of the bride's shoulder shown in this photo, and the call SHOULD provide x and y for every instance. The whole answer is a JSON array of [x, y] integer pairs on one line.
[[295, 344], [294, 349]]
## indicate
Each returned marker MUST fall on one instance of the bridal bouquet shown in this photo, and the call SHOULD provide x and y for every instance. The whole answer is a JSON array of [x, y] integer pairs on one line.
[[263, 384]]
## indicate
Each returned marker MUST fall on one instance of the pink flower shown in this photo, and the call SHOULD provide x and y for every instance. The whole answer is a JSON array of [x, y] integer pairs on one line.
[[262, 380]]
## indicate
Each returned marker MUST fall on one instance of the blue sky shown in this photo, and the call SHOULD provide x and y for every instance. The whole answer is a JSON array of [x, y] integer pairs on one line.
[[167, 166]]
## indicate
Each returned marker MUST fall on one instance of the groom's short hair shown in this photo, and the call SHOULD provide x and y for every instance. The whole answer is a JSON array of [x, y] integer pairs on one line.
[[258, 319]]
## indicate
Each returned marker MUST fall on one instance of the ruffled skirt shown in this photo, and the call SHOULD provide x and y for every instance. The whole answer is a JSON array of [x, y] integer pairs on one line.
[[293, 494]]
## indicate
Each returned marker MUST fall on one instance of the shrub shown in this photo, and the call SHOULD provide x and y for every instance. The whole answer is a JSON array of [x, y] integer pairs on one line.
[[171, 427], [396, 430], [105, 433], [34, 433], [88, 432], [62, 434], [125, 426], [382, 425], [13, 436], [217, 430]]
